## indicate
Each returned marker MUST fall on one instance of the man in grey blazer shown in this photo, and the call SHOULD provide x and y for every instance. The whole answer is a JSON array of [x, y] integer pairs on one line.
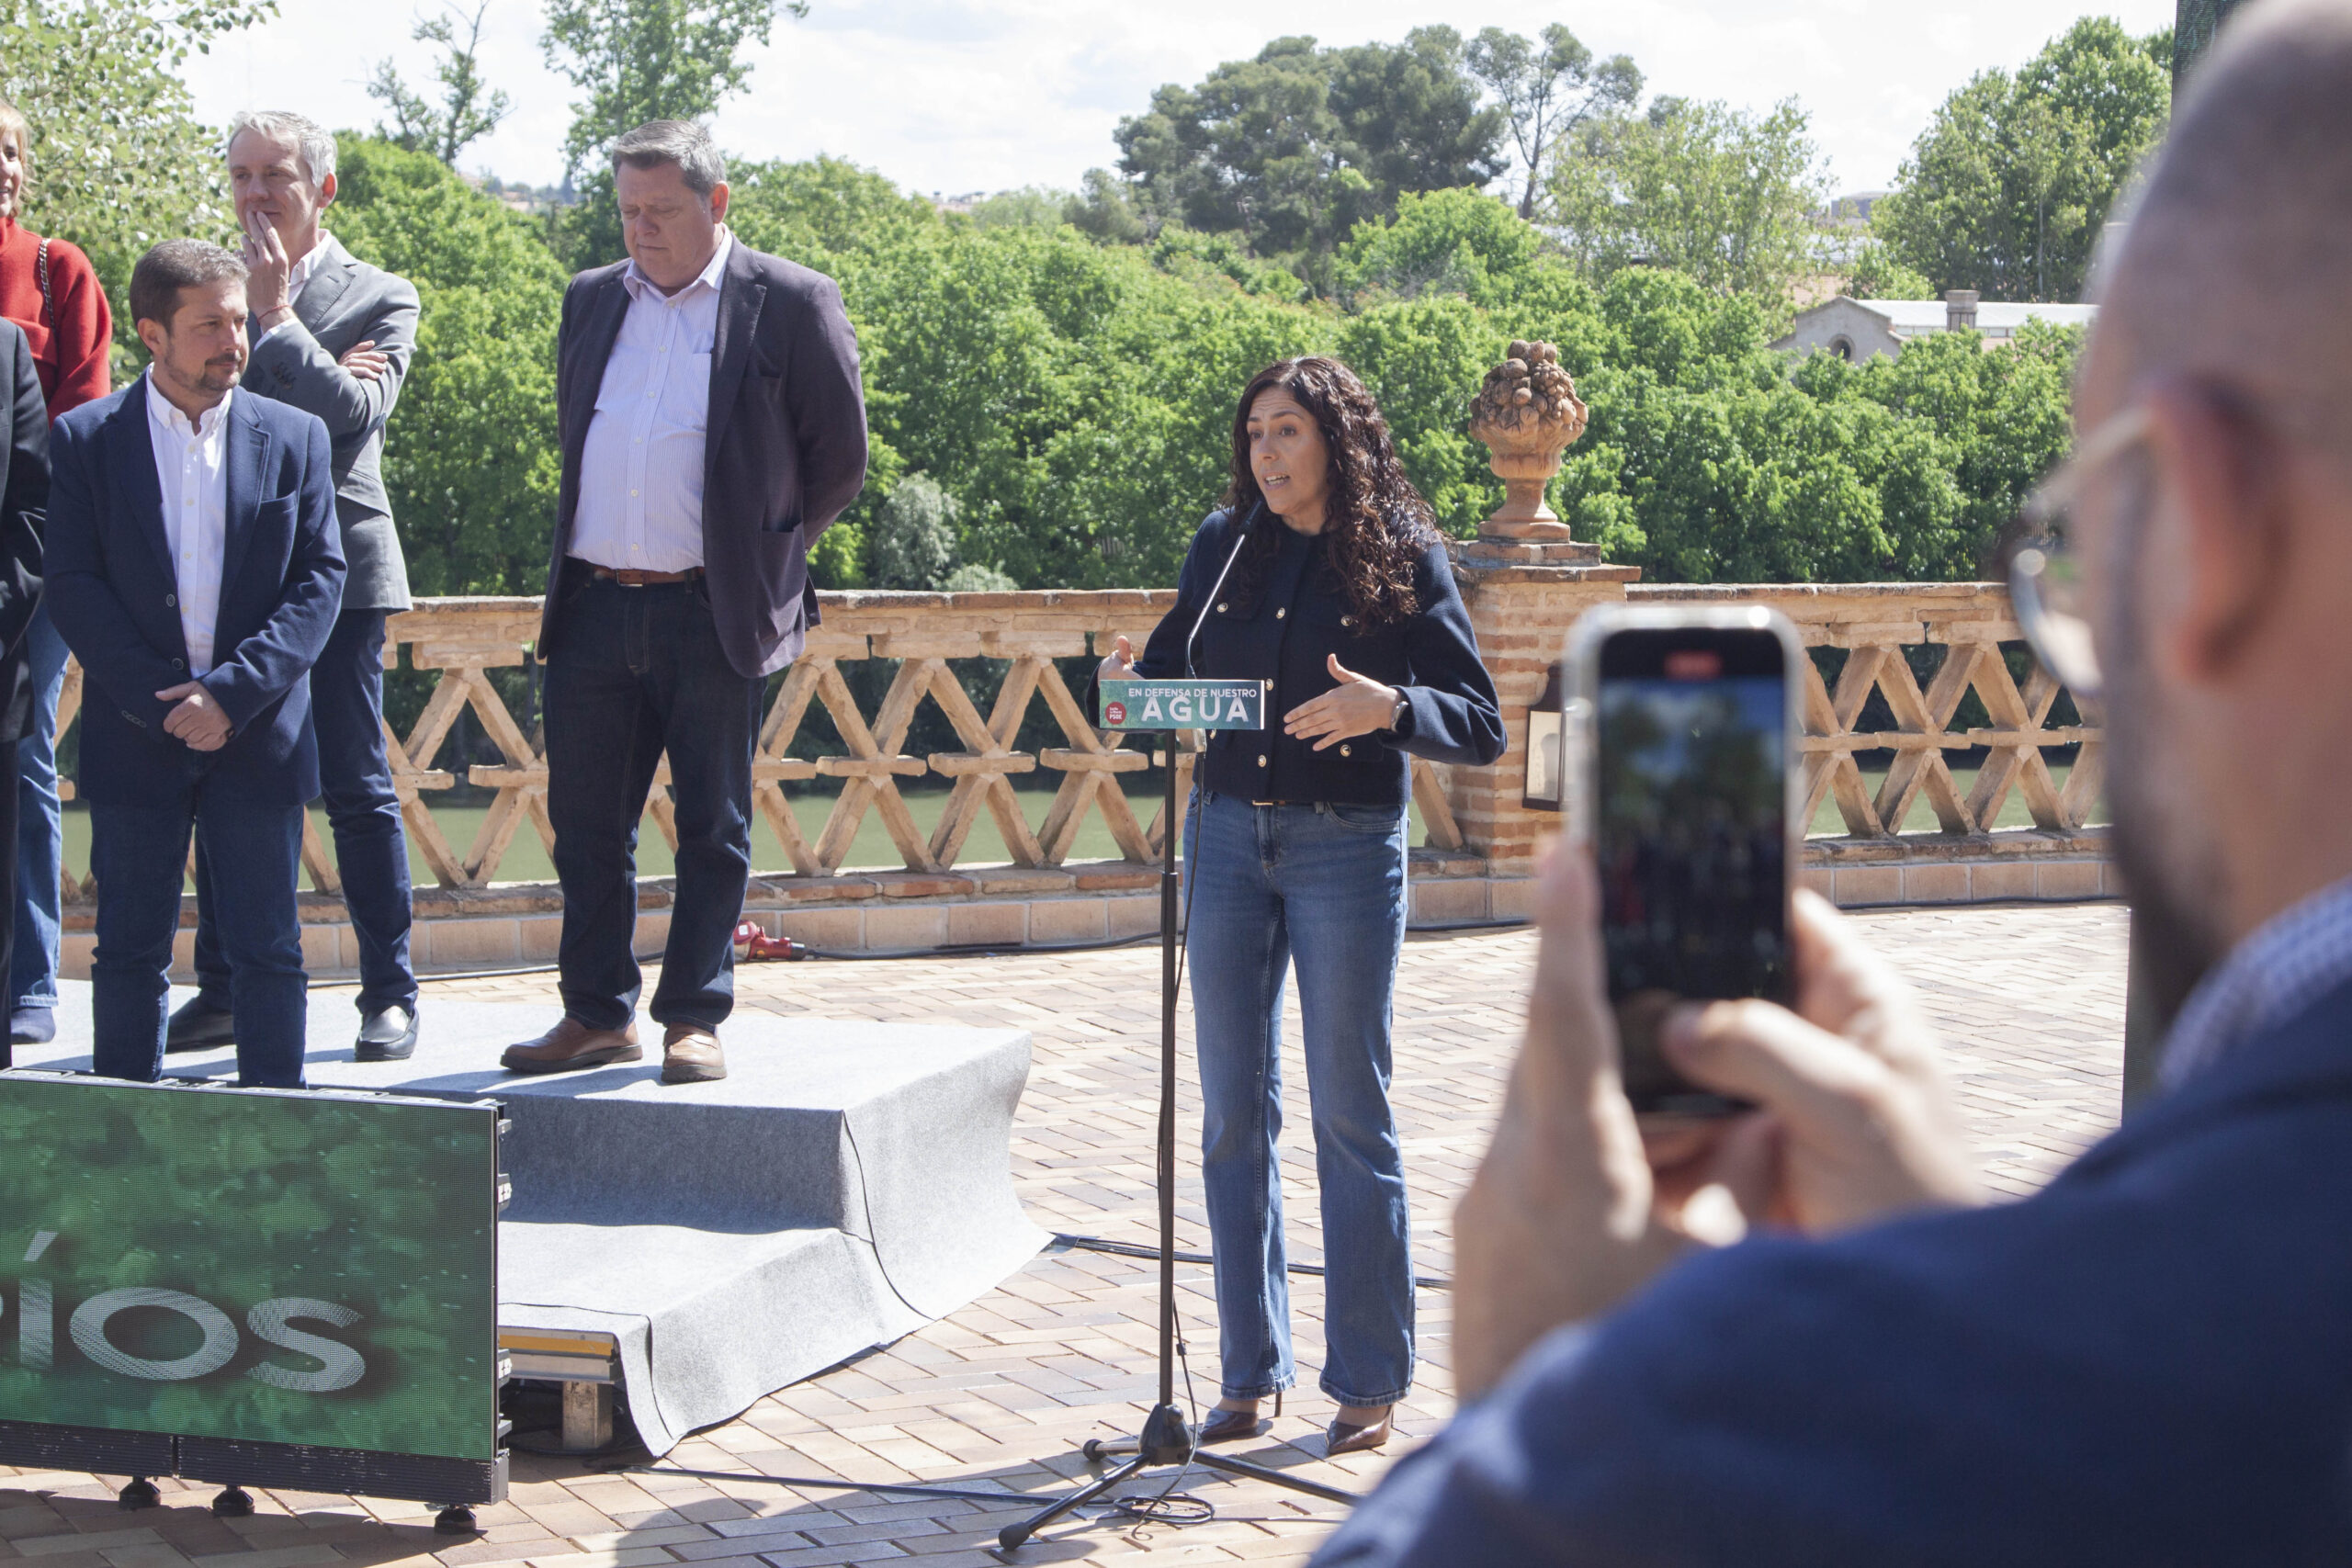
[[712, 424], [333, 336]]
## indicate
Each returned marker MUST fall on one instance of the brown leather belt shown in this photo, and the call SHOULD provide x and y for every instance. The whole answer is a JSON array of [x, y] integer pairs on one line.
[[630, 577]]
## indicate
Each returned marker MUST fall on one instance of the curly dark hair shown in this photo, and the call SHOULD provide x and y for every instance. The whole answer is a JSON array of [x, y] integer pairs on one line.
[[1377, 523]]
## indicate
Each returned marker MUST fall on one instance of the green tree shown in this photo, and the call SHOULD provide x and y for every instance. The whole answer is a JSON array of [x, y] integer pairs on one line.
[[2194, 25], [121, 161], [1292, 149], [1465, 243], [470, 455], [1718, 194], [1876, 275], [1409, 116], [636, 61], [1547, 90], [1105, 209], [913, 543], [2007, 189], [470, 108]]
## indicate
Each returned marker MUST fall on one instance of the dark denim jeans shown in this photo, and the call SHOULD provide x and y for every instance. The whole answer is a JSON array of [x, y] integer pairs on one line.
[[140, 856], [1325, 885], [640, 670], [38, 835], [370, 844]]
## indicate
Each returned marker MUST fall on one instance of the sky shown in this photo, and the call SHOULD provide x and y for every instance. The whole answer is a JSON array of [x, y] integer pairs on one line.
[[959, 96]]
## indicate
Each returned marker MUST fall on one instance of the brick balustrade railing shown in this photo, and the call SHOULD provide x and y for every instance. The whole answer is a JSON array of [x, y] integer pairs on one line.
[[1479, 836]]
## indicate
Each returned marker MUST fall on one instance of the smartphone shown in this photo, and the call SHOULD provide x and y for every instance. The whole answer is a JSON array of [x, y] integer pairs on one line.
[[1685, 724]]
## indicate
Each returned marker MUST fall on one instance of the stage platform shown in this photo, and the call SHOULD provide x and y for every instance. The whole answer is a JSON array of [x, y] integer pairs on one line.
[[847, 1182]]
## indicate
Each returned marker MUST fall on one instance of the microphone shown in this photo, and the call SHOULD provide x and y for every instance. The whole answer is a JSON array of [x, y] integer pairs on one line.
[[1203, 619]]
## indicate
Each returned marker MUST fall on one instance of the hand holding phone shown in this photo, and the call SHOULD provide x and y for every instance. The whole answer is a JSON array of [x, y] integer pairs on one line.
[[1685, 723], [1576, 1207]]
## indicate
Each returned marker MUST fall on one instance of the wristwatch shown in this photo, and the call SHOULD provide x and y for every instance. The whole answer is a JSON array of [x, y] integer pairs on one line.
[[1397, 714]]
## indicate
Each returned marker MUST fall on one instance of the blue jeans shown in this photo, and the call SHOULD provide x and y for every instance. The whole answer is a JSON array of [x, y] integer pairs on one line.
[[370, 844], [1325, 884], [40, 842], [140, 855], [638, 671]]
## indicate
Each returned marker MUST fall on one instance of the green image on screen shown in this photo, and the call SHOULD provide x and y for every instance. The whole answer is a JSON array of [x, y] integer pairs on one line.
[[280, 1268]]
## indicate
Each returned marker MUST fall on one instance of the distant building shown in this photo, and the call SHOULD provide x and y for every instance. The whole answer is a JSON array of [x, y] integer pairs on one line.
[[1853, 209], [1863, 329]]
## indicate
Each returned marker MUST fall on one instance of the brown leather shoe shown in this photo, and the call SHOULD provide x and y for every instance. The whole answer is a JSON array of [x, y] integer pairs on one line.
[[690, 1054], [571, 1045]]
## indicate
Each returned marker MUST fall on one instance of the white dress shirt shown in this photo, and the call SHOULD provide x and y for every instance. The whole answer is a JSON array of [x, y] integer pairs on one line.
[[297, 276], [641, 472], [192, 466]]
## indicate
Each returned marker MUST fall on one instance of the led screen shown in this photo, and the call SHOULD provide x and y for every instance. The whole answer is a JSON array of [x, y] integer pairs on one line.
[[256, 1265]]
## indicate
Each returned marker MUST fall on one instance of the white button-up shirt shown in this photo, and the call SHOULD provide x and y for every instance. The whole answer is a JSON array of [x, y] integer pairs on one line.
[[192, 466], [641, 472]]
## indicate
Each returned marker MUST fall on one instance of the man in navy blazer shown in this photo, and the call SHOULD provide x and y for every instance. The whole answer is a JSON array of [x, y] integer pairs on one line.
[[24, 500], [2149, 1361], [196, 569]]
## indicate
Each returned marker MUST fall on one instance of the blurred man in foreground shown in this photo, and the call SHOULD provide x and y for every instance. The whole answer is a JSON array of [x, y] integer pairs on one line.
[[2147, 1362]]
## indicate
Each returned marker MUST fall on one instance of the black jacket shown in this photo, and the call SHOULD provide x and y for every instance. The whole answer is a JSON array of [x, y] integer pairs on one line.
[[1281, 634], [24, 510]]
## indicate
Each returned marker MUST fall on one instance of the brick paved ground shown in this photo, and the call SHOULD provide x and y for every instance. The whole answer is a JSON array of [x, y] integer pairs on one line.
[[999, 1396]]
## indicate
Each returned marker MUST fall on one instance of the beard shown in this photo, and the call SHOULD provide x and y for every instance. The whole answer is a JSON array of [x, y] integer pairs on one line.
[[2172, 873]]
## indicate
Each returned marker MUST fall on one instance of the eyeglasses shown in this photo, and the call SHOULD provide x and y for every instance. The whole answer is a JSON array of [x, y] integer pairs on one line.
[[2045, 580]]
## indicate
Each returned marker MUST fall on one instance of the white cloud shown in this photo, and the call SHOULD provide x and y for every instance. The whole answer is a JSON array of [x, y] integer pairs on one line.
[[982, 95]]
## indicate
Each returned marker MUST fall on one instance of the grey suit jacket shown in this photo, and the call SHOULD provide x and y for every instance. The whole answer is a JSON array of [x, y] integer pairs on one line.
[[346, 302], [785, 450]]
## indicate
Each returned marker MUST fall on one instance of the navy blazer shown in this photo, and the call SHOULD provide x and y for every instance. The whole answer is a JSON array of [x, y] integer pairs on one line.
[[24, 501], [2149, 1362], [113, 594], [784, 452], [1281, 635]]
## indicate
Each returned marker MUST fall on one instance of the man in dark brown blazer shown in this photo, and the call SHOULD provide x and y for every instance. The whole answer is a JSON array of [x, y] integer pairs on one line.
[[712, 426]]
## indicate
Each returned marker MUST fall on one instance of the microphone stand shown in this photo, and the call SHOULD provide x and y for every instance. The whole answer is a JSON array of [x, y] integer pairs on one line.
[[1166, 1439]]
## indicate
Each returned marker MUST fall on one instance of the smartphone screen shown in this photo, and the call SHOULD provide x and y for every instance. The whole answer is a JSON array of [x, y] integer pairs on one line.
[[1691, 835]]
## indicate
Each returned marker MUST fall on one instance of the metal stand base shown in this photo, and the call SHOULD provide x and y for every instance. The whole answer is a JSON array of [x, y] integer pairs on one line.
[[139, 1493], [236, 1503], [1165, 1439], [455, 1519]]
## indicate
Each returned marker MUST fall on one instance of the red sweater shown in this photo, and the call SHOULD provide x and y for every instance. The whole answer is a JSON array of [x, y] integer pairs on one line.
[[70, 345]]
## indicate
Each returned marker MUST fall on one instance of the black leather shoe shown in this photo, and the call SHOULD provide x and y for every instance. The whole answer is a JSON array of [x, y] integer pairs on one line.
[[199, 1026], [388, 1034], [33, 1026]]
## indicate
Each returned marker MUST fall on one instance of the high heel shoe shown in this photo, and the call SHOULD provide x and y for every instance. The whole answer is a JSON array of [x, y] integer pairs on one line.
[[1347, 1437], [1232, 1426]]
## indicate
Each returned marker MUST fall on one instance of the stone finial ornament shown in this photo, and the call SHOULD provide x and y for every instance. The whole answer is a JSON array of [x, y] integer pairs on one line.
[[1527, 415]]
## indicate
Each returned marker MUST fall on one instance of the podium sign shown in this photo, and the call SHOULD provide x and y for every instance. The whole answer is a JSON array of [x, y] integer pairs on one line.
[[1183, 704]]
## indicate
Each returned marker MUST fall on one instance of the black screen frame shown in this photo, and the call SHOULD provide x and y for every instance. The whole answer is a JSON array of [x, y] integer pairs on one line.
[[1641, 652]]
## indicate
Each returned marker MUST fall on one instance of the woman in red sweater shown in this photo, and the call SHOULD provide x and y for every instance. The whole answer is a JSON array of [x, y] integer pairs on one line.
[[65, 315], [69, 324]]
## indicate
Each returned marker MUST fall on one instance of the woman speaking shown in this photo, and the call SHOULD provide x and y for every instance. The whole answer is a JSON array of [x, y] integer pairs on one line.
[[1324, 576]]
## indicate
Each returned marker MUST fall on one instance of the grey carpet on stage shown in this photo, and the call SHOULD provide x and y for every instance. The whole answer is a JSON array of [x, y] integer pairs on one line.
[[845, 1183]]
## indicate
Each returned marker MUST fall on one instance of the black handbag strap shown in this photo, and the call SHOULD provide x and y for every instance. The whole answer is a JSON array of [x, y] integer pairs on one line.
[[48, 301]]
